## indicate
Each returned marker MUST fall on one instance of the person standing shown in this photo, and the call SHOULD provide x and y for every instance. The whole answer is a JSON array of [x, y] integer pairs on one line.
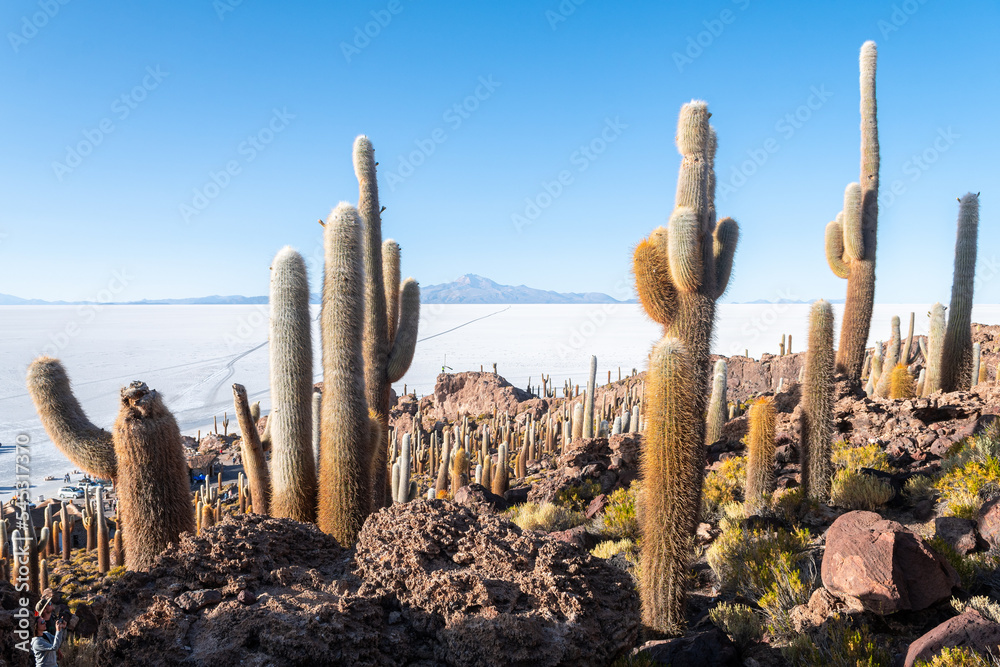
[[45, 645]]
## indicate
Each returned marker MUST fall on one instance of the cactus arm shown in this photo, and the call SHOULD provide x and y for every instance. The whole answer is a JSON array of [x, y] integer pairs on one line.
[[835, 250], [725, 239], [89, 447], [854, 242], [684, 249], [652, 280], [390, 280], [406, 336]]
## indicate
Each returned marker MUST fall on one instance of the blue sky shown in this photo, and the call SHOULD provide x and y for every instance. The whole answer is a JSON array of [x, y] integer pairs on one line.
[[171, 149]]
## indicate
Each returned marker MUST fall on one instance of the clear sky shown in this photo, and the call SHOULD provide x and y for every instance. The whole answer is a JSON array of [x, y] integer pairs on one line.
[[171, 149]]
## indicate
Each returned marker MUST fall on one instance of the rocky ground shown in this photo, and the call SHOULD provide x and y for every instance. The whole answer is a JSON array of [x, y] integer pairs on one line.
[[890, 578]]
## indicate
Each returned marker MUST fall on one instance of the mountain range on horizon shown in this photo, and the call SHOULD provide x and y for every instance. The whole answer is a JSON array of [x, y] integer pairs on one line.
[[467, 289]]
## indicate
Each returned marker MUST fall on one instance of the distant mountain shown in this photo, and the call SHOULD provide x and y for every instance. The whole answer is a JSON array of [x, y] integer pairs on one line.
[[765, 301], [471, 288]]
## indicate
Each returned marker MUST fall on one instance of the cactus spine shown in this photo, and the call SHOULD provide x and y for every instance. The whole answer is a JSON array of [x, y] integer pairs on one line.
[[760, 455], [817, 411], [293, 467], [956, 365], [851, 238], [680, 272], [671, 473], [152, 486], [935, 350], [346, 447], [717, 405], [588, 412], [889, 362], [388, 346]]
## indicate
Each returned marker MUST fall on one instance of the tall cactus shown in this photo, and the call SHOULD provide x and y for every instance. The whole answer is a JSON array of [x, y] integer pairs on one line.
[[390, 313], [760, 454], [935, 350], [977, 353], [671, 472], [718, 408], [680, 272], [890, 361], [956, 365], [816, 419], [347, 450], [588, 411], [152, 485], [252, 451], [293, 467], [851, 238]]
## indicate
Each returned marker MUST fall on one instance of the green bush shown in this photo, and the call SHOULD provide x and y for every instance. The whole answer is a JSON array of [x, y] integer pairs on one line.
[[956, 657], [546, 517], [848, 457], [723, 486], [857, 491], [610, 548], [837, 644], [740, 622], [619, 518], [578, 497]]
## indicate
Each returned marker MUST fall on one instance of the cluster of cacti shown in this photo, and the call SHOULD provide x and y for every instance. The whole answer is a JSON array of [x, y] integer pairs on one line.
[[143, 456], [816, 421], [785, 346], [956, 358], [851, 238], [680, 271], [760, 455]]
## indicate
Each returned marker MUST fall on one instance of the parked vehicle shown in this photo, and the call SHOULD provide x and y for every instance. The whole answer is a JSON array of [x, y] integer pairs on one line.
[[71, 492]]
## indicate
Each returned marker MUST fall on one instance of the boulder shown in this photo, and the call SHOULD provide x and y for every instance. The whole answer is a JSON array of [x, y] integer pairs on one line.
[[959, 533], [429, 583], [967, 630], [989, 522], [474, 495], [887, 567], [711, 648], [474, 394]]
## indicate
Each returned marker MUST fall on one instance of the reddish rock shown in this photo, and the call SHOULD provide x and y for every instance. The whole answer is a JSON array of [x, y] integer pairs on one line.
[[477, 494], [711, 648], [886, 566], [957, 532], [430, 582], [578, 537], [87, 621], [989, 522], [967, 630], [195, 600], [596, 506], [475, 394]]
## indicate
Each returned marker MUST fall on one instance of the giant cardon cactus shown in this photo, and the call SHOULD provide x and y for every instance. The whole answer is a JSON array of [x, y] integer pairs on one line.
[[680, 271]]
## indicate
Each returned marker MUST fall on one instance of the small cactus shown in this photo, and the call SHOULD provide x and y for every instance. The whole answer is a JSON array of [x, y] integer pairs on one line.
[[956, 365], [717, 405], [890, 361], [816, 420], [901, 385], [977, 355], [935, 350], [588, 412], [500, 473], [760, 455]]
